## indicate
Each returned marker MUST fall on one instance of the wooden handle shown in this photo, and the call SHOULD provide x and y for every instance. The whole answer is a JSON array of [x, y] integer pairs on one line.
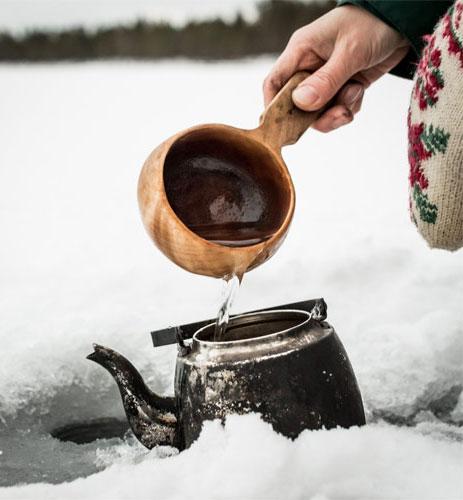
[[282, 123]]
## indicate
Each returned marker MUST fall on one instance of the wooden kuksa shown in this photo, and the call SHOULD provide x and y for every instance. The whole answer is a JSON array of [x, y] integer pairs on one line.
[[281, 124]]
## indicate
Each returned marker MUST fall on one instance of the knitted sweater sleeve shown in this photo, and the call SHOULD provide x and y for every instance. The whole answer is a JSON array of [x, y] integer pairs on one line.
[[435, 135], [412, 18]]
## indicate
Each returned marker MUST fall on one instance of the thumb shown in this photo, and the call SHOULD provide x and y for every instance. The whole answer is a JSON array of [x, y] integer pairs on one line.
[[317, 89]]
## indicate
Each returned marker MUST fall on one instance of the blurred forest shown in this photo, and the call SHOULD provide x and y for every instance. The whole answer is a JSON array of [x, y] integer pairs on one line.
[[211, 39]]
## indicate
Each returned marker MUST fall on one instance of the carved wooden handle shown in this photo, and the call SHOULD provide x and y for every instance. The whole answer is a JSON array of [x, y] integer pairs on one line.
[[282, 123]]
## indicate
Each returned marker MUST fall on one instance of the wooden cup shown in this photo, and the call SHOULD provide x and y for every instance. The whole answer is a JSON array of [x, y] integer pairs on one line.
[[216, 170]]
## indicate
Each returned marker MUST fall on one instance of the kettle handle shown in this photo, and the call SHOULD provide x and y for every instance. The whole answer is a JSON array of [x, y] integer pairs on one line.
[[283, 123]]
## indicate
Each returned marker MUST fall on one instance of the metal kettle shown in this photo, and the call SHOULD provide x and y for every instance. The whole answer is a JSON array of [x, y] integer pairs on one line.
[[286, 364]]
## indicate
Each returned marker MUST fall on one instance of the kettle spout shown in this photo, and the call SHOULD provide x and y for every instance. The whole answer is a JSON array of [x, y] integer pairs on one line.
[[151, 417]]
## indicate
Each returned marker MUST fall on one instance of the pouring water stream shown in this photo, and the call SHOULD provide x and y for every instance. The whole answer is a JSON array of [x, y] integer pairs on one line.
[[230, 288]]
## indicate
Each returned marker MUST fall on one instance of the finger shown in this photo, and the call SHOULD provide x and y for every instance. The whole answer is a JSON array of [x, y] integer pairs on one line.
[[284, 68], [350, 98], [350, 94], [316, 90], [294, 58], [335, 117], [357, 106]]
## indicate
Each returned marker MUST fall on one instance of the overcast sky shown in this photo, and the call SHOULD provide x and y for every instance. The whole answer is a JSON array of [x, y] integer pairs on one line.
[[18, 15]]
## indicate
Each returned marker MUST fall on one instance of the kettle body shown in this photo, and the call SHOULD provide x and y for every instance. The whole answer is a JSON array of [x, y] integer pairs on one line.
[[286, 365]]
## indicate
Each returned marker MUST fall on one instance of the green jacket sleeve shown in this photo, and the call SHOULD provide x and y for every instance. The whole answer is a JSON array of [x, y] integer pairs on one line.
[[413, 19]]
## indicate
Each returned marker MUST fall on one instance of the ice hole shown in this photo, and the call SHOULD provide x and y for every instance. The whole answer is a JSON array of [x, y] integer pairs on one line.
[[87, 432]]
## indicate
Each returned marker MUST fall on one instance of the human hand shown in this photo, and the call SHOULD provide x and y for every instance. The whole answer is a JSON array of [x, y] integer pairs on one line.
[[346, 50]]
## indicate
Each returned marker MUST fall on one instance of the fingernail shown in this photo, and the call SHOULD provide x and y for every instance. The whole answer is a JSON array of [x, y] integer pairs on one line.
[[352, 94], [305, 95], [343, 119]]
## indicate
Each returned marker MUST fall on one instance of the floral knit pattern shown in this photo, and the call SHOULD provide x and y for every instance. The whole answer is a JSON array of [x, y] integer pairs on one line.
[[429, 79], [452, 22], [423, 142], [435, 135]]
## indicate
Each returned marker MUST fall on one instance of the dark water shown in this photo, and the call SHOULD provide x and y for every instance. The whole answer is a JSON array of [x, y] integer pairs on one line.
[[38, 441], [233, 234], [222, 193]]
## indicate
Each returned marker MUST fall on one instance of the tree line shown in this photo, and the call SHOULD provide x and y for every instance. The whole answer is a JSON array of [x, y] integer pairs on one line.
[[209, 39]]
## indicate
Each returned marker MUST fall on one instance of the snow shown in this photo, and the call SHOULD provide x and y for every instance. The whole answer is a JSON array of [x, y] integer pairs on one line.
[[76, 267], [319, 465]]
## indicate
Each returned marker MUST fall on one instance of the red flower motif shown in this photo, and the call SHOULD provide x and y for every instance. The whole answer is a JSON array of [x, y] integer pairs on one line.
[[458, 14], [455, 45], [416, 154], [429, 78], [435, 58]]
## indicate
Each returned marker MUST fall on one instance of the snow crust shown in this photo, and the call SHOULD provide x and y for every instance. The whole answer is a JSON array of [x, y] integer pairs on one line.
[[76, 267], [248, 460]]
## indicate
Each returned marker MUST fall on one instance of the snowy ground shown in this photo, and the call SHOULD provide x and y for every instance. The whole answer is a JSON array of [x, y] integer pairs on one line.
[[76, 267]]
